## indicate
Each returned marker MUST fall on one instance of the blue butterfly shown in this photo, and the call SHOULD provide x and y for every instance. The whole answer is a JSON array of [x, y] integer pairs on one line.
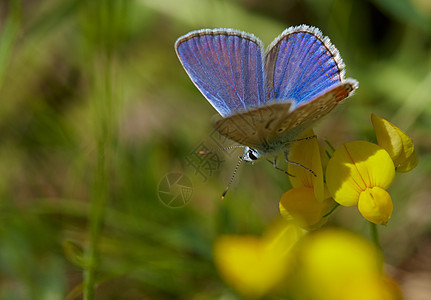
[[265, 99]]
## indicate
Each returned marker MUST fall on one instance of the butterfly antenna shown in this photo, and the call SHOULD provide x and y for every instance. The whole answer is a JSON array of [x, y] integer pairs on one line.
[[220, 149], [233, 175]]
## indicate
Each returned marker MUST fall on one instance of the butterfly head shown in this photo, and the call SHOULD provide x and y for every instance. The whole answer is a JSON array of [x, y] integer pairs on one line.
[[251, 155]]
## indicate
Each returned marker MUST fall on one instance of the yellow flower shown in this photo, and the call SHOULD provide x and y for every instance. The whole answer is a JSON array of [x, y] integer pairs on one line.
[[336, 264], [300, 205], [255, 265], [398, 144], [307, 153], [375, 204], [308, 201], [361, 172]]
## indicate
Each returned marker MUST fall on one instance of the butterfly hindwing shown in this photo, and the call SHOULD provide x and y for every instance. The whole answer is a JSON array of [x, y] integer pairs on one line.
[[226, 66], [307, 114], [252, 127], [270, 127], [301, 64]]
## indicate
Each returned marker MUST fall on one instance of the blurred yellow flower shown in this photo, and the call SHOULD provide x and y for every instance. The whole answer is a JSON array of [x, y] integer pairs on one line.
[[338, 265], [398, 144], [253, 265], [361, 172], [308, 201]]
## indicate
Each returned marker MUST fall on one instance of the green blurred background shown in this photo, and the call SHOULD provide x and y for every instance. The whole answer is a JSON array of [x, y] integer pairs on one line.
[[96, 111]]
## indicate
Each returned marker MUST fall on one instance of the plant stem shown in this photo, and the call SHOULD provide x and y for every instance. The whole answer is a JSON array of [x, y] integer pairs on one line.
[[101, 180], [375, 235], [109, 15], [332, 210], [8, 35]]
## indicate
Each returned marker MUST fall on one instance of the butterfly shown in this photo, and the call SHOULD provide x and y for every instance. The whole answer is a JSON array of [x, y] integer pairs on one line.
[[265, 99]]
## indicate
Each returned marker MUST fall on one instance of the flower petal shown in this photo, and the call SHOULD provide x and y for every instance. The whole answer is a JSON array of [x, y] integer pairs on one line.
[[256, 265], [398, 144], [356, 166], [233, 257], [281, 236], [338, 265], [375, 205], [301, 206], [307, 153], [408, 164]]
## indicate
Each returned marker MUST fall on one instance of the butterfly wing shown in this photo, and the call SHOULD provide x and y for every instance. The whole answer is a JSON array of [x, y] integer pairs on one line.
[[301, 64], [226, 66], [304, 81], [304, 116], [251, 128], [269, 128]]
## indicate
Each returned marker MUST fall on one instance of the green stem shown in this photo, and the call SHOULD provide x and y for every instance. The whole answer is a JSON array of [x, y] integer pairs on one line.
[[101, 180], [330, 146], [108, 14], [375, 235], [332, 210], [8, 35], [96, 219]]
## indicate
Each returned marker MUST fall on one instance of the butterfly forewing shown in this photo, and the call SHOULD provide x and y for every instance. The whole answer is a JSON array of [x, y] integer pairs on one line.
[[301, 64], [226, 65]]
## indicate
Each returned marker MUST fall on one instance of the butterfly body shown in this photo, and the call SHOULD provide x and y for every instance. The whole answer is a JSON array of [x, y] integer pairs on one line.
[[265, 99]]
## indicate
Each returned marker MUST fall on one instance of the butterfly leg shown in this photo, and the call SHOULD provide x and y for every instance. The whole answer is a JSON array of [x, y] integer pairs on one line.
[[277, 168], [286, 157], [304, 139]]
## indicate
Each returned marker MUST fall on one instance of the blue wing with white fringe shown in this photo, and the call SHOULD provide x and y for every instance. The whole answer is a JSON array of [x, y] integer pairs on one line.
[[265, 101], [226, 66]]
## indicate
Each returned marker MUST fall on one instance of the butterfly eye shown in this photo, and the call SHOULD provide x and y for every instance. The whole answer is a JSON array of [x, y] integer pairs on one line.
[[251, 155]]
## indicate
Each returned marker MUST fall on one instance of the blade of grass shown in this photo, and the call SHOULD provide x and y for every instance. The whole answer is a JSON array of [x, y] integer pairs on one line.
[[109, 14], [100, 192], [9, 35]]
